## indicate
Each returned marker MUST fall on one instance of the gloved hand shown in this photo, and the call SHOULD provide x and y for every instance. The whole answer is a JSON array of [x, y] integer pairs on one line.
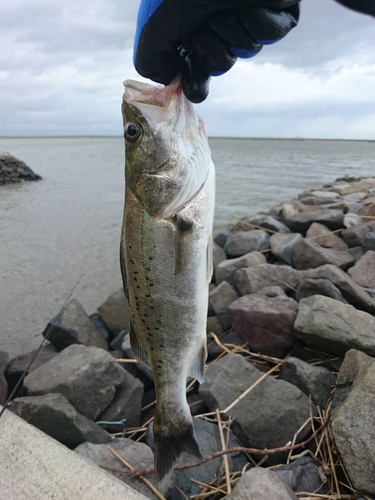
[[203, 38]]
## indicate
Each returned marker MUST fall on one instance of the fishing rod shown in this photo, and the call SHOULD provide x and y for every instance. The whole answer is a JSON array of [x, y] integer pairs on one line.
[[46, 337]]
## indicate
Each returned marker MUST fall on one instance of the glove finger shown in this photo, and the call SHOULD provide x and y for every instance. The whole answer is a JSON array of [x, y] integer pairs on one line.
[[268, 26], [208, 57]]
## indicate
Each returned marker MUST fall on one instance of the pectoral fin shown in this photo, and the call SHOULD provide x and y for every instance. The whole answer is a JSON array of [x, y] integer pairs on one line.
[[123, 271], [210, 258], [137, 350], [183, 244]]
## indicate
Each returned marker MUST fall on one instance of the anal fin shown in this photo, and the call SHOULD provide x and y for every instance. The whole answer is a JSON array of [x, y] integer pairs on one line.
[[197, 369], [137, 350]]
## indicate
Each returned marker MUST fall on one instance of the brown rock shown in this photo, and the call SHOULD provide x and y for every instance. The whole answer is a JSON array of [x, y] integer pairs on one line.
[[265, 323], [322, 235], [363, 272], [307, 254], [355, 235], [226, 269], [253, 279]]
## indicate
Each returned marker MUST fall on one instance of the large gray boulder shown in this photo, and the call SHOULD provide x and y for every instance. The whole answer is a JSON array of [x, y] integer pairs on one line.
[[316, 381], [73, 326], [4, 358], [138, 455], [282, 246], [261, 484], [243, 242], [127, 403], [87, 376], [273, 224], [307, 254], [353, 426], [225, 271], [265, 323], [268, 416], [349, 289], [54, 415], [220, 298], [302, 475], [254, 279], [335, 327], [369, 243], [363, 272], [115, 312]]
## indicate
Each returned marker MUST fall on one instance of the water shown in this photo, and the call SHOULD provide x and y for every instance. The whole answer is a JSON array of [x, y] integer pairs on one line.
[[67, 227]]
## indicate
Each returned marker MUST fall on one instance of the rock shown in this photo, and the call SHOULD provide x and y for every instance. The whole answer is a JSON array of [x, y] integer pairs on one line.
[[138, 455], [268, 416], [4, 358], [353, 426], [220, 298], [19, 364], [73, 326], [272, 291], [356, 252], [87, 376], [319, 286], [282, 246], [335, 327], [214, 325], [369, 242], [127, 404], [356, 235], [219, 254], [208, 437], [265, 323], [99, 324], [307, 254], [261, 484], [363, 272], [54, 415], [354, 363], [221, 237], [300, 223], [302, 475], [116, 343], [312, 380], [274, 225], [322, 235], [13, 170], [225, 271], [349, 289], [246, 241], [288, 209], [115, 312], [196, 404], [364, 185], [253, 279], [351, 219]]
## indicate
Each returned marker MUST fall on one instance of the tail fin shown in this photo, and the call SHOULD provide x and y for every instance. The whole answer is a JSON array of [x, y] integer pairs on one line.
[[172, 439]]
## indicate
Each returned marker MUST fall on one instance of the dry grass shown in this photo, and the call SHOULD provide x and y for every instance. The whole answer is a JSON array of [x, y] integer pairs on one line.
[[320, 445]]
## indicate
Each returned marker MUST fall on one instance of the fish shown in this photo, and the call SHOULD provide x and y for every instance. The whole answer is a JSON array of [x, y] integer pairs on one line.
[[166, 253]]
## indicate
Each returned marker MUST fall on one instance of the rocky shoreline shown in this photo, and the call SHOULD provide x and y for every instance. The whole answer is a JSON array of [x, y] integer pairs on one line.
[[290, 381], [13, 170]]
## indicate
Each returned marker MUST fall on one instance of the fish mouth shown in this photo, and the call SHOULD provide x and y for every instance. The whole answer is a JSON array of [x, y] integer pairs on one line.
[[140, 93]]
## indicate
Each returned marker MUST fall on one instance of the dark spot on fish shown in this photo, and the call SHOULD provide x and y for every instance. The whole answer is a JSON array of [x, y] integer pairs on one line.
[[147, 278], [135, 272], [130, 246], [138, 286], [135, 279], [136, 298], [148, 268], [149, 334], [143, 320], [157, 329], [158, 321], [132, 261], [148, 296], [150, 258], [146, 315], [151, 284], [152, 348]]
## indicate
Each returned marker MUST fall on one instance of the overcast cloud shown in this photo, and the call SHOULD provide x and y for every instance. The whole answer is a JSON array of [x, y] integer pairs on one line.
[[62, 65]]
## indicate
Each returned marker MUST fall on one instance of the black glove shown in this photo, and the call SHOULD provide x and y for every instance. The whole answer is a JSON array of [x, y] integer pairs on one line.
[[364, 6], [203, 38]]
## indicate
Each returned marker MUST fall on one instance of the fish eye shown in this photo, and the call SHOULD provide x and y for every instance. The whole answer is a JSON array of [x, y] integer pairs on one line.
[[132, 131]]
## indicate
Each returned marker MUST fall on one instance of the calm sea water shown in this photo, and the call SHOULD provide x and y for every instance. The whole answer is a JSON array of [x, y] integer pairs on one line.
[[67, 227]]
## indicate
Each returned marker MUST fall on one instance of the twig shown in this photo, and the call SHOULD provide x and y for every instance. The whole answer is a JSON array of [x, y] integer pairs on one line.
[[234, 449], [126, 360], [225, 457], [290, 287], [146, 481]]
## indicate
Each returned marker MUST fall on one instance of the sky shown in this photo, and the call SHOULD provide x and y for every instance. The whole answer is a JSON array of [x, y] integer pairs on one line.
[[62, 64]]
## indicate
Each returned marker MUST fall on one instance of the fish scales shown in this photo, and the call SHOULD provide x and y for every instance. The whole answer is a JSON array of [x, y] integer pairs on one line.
[[166, 253]]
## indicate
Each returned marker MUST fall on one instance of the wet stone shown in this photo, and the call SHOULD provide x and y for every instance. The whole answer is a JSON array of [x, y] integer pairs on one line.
[[115, 312], [319, 286], [363, 272], [322, 235], [220, 298], [243, 242], [226, 270], [254, 279], [307, 254], [282, 246]]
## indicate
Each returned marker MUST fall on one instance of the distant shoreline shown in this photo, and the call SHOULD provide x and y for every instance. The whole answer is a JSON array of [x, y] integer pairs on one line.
[[210, 137]]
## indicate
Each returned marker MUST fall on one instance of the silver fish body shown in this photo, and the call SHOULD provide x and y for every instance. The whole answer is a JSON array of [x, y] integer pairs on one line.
[[166, 253]]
